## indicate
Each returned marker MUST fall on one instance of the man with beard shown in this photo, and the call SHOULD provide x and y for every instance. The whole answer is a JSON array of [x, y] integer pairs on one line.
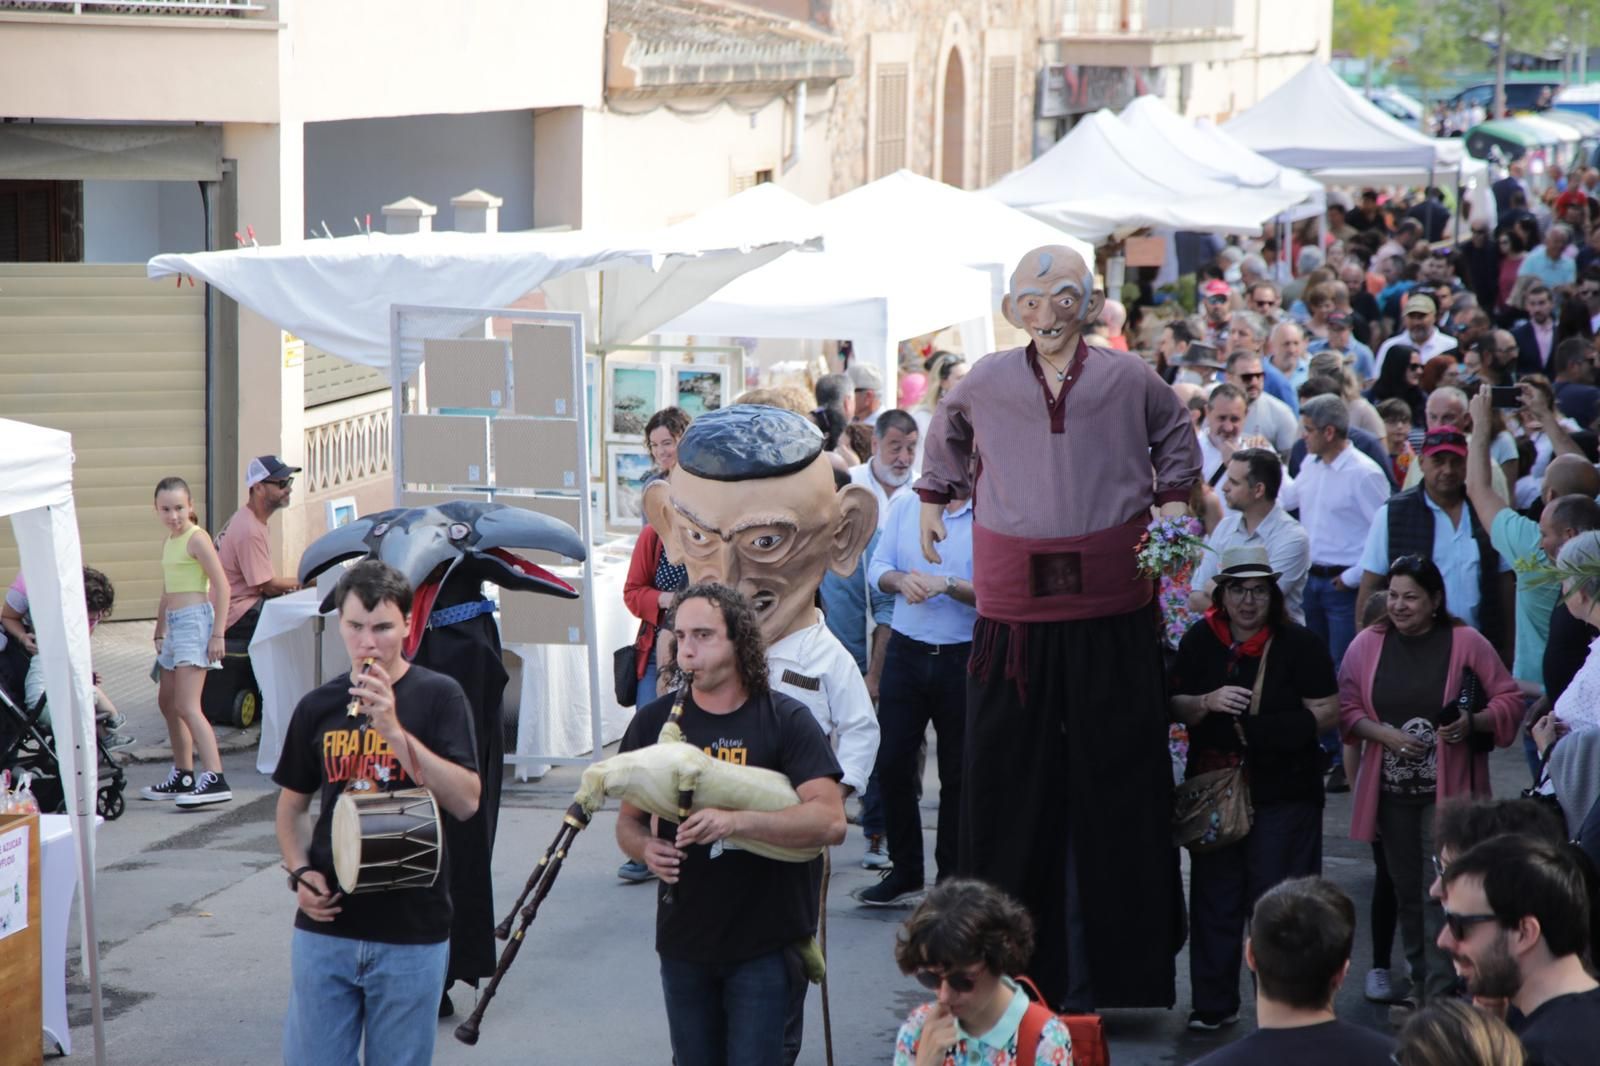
[[1269, 416], [1421, 330], [894, 451], [1536, 338], [244, 549], [1224, 429], [1066, 776], [1516, 925]]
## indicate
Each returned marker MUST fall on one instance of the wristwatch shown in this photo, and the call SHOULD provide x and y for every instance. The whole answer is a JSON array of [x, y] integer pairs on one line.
[[294, 878], [949, 584]]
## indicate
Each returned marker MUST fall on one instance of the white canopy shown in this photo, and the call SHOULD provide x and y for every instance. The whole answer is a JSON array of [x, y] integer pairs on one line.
[[905, 214], [1314, 121], [36, 492], [336, 294], [875, 300], [1213, 154], [1103, 179]]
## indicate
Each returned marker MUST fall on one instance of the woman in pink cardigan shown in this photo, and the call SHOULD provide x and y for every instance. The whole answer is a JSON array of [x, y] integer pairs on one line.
[[1400, 692]]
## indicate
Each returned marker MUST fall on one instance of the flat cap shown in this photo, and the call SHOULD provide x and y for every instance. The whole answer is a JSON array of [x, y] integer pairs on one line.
[[748, 441]]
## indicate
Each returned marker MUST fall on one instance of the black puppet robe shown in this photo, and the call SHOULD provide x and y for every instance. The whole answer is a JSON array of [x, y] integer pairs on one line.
[[469, 652]]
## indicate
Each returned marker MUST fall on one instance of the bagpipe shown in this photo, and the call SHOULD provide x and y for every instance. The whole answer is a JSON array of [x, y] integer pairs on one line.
[[670, 779]]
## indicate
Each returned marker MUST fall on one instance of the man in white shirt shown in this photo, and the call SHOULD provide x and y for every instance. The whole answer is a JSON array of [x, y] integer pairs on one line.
[[892, 464], [1251, 490], [1421, 315], [1224, 425], [1268, 416], [1337, 493]]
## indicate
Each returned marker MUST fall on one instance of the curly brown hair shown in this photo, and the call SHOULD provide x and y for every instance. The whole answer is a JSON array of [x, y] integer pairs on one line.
[[963, 921], [744, 632]]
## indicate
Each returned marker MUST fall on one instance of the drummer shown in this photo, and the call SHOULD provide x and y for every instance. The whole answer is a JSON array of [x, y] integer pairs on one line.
[[369, 965]]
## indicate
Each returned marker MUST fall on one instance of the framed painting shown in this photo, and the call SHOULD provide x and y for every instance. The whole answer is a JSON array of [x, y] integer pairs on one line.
[[698, 387], [627, 466], [633, 394]]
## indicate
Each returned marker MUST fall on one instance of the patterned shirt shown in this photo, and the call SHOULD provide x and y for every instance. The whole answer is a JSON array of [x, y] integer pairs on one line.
[[997, 1047]]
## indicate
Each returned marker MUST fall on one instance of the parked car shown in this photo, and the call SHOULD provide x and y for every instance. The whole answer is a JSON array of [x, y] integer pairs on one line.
[[1520, 95], [1397, 105]]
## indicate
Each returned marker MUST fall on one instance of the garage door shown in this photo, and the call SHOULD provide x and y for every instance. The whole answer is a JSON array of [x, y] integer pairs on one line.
[[118, 361]]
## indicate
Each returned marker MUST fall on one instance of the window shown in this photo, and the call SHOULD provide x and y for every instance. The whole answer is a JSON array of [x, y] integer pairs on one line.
[[889, 135], [39, 221], [1001, 133]]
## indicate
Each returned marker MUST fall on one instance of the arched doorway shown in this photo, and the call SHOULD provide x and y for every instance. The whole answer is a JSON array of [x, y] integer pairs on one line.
[[952, 164]]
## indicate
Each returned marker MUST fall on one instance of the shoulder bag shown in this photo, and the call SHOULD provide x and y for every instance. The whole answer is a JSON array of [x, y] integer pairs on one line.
[[1212, 810]]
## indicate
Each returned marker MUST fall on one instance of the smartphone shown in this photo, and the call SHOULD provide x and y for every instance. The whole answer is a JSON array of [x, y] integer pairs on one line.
[[1505, 395]]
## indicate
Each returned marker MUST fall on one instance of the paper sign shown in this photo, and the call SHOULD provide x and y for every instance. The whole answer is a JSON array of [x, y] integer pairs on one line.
[[13, 881], [1144, 251]]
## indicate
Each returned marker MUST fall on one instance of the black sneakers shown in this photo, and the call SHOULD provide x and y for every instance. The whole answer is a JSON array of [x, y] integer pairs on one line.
[[1204, 1021], [890, 891], [208, 789], [178, 783]]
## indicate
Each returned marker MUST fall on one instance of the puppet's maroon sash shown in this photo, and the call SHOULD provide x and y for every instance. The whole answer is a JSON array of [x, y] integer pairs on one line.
[[1054, 579]]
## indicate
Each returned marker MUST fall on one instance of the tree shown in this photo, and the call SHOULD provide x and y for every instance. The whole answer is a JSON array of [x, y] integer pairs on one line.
[[1365, 28], [1512, 26]]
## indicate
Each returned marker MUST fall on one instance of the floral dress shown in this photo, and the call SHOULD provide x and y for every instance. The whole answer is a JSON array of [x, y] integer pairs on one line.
[[1055, 1044]]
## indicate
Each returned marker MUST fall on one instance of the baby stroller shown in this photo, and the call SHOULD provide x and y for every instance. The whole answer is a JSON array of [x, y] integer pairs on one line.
[[27, 743]]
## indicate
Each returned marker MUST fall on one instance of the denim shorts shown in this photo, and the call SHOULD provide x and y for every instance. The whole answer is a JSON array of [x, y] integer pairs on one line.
[[188, 632]]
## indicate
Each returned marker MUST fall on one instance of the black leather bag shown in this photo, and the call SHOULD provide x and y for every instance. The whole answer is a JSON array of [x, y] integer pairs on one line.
[[625, 675], [1472, 700]]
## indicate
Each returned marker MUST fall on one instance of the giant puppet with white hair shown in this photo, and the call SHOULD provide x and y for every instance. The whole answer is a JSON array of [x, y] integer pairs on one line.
[[1066, 450]]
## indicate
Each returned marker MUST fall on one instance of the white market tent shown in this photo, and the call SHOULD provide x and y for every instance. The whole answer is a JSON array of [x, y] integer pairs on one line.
[[36, 492], [1317, 123], [1104, 180], [1213, 154], [336, 294], [909, 215], [875, 301]]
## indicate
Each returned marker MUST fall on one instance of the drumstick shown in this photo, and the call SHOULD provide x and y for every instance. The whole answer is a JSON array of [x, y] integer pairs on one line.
[[355, 701], [300, 882]]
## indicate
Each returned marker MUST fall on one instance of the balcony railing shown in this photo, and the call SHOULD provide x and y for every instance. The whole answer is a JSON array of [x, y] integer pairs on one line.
[[347, 443], [197, 8]]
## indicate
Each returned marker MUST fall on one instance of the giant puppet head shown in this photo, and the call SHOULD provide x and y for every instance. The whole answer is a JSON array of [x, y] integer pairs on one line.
[[1053, 299], [457, 542], [752, 505]]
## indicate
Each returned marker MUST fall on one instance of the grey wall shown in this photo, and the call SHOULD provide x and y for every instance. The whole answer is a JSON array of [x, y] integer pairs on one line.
[[130, 221], [355, 167]]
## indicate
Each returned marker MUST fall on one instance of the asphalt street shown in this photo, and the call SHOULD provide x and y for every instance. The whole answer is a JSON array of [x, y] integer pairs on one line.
[[194, 921]]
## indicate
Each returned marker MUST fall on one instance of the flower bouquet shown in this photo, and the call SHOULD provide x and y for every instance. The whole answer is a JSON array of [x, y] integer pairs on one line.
[[1170, 547]]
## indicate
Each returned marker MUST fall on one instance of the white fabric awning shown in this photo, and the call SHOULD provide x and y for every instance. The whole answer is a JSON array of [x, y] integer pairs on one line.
[[1314, 121], [336, 294], [908, 216], [1102, 180], [1213, 154]]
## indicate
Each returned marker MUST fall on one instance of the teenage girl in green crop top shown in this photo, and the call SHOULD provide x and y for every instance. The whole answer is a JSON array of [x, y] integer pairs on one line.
[[189, 624]]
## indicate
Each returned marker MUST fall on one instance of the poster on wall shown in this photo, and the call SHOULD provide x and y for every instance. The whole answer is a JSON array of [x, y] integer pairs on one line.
[[13, 881], [633, 394], [698, 387], [627, 466]]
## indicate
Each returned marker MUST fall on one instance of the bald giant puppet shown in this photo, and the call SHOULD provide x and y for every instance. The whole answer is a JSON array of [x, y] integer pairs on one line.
[[1066, 450]]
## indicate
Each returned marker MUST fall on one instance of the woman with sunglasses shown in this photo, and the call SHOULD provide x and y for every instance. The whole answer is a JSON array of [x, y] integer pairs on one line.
[[1426, 696], [1269, 721], [961, 942], [1400, 378]]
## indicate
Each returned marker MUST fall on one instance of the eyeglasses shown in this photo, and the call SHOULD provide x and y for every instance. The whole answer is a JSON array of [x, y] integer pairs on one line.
[[1458, 924], [1438, 867], [1257, 376], [280, 483], [1250, 593], [958, 982], [1265, 303]]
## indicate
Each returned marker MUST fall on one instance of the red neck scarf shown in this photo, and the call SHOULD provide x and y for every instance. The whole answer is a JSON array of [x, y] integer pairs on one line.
[[1237, 649]]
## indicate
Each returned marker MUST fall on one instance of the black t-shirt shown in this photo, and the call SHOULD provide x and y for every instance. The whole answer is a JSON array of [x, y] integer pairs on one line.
[[326, 748], [1565, 650], [1283, 759], [1562, 1032], [1335, 1043], [733, 905]]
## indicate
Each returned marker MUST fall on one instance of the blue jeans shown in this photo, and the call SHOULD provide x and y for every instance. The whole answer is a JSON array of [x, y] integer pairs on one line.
[[726, 1014], [872, 822], [647, 683], [343, 988], [1331, 615]]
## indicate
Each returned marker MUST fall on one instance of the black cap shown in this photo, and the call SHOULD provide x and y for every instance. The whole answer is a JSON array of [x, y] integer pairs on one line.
[[267, 468], [748, 441]]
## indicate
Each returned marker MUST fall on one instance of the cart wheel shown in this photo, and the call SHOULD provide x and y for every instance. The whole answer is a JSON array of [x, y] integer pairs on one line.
[[245, 705], [109, 804]]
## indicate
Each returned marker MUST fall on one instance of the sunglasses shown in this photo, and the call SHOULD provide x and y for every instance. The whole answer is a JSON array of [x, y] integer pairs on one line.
[[1458, 924], [280, 483], [1265, 303], [1257, 376], [1216, 299], [958, 982]]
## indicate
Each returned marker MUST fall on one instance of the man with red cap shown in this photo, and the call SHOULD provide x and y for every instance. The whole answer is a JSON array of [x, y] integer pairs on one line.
[[1433, 520], [1217, 299]]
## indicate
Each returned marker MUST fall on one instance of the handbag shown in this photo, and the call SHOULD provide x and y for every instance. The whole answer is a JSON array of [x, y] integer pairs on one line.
[[625, 675], [1471, 701], [1212, 810]]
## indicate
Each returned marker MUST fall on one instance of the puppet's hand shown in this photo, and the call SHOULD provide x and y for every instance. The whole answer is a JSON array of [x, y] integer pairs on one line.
[[1173, 510], [932, 531]]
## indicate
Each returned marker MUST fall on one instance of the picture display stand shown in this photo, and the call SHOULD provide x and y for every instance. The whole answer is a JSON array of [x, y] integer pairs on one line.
[[497, 411]]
